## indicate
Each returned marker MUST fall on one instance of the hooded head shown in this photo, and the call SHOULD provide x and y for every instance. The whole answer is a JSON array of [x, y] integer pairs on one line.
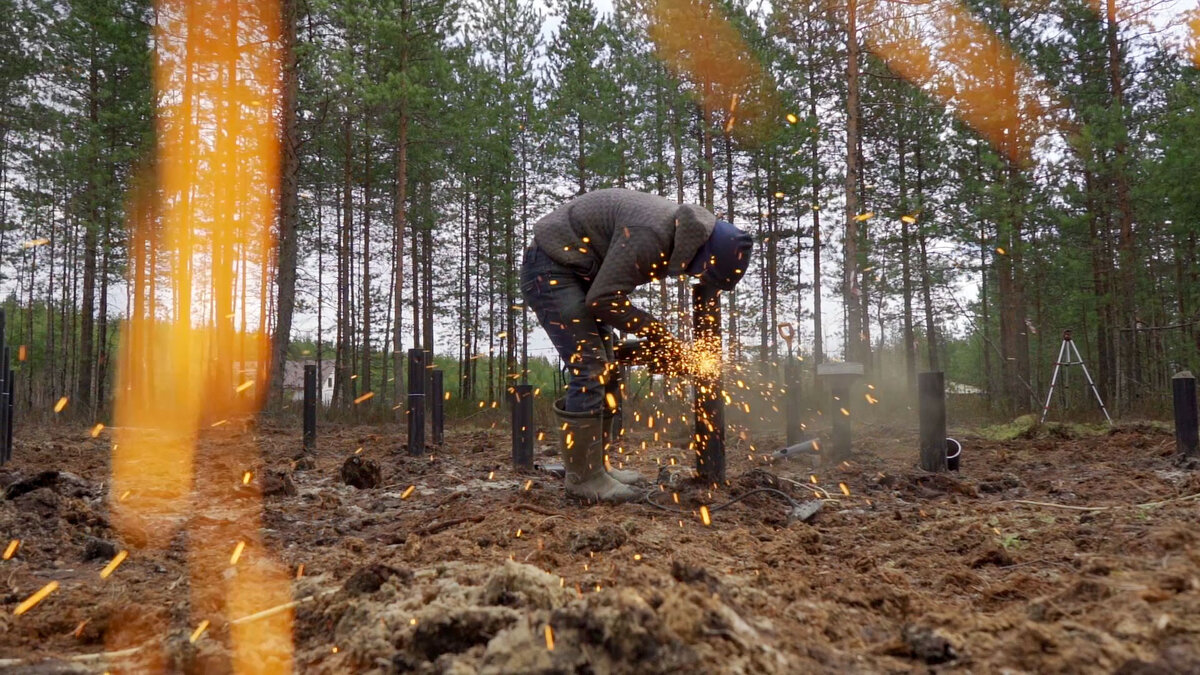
[[723, 258]]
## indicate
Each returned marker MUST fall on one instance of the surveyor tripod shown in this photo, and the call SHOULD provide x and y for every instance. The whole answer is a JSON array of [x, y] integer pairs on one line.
[[1066, 353]]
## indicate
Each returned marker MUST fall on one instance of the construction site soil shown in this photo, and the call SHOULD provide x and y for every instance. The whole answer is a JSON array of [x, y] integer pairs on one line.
[[1050, 553]]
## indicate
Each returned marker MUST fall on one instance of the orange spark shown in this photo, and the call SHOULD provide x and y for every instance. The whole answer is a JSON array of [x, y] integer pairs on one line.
[[365, 397], [237, 552], [549, 638], [114, 563], [34, 599], [97, 429], [62, 403], [11, 549], [244, 386], [844, 488], [704, 515], [407, 492], [199, 631]]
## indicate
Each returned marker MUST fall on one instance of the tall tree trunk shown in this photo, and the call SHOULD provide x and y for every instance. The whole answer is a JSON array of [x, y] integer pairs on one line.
[[926, 280], [343, 385], [399, 231], [1120, 178], [365, 377], [87, 309], [910, 348], [289, 188], [850, 290], [731, 301]]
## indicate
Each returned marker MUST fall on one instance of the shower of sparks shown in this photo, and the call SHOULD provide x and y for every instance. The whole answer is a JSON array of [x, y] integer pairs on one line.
[[62, 403], [114, 564], [11, 550], [34, 599], [199, 631]]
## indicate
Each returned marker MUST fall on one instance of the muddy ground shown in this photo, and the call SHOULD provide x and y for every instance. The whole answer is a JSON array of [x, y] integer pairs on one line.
[[479, 567]]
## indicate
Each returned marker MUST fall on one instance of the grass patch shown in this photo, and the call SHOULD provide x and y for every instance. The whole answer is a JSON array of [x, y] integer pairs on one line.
[[1026, 427]]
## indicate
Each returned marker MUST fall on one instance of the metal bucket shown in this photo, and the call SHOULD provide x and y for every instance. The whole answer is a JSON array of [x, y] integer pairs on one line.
[[953, 454]]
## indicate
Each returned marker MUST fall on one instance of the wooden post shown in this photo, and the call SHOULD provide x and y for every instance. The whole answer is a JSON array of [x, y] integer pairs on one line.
[[437, 396], [416, 401], [522, 425], [792, 402], [1183, 390], [709, 402], [310, 408], [931, 387]]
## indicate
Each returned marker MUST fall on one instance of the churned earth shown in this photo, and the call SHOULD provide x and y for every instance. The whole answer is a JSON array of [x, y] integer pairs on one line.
[[1051, 552]]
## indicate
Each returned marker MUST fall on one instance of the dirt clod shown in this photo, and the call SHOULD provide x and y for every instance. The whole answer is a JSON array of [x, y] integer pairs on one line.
[[94, 548], [603, 538], [278, 483], [923, 643], [363, 474], [369, 578]]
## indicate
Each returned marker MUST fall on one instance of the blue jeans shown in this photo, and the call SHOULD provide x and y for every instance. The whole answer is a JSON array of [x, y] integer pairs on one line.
[[558, 297]]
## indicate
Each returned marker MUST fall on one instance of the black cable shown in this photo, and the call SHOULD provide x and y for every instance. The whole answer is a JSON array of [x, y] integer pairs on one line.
[[713, 509]]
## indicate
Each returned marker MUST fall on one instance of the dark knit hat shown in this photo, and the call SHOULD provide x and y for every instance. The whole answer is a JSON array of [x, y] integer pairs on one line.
[[723, 259]]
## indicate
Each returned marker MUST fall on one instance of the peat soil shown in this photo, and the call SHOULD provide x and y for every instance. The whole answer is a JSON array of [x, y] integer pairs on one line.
[[1048, 553]]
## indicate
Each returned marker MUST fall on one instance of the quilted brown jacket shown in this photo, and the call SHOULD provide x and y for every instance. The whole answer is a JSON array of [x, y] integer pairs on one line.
[[619, 239]]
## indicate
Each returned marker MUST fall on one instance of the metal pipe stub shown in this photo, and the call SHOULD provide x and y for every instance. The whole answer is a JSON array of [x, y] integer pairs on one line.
[[708, 403], [416, 401], [310, 408], [1183, 394], [522, 425]]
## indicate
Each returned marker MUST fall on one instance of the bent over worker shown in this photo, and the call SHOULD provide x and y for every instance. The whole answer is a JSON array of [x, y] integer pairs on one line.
[[586, 257]]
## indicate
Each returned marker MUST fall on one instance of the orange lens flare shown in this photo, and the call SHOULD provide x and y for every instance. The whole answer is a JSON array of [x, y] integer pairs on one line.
[[194, 354]]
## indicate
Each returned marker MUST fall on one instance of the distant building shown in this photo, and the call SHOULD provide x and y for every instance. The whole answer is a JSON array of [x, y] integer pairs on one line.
[[293, 379]]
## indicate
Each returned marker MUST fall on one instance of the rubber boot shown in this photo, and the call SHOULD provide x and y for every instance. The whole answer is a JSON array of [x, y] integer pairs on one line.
[[581, 441], [626, 476]]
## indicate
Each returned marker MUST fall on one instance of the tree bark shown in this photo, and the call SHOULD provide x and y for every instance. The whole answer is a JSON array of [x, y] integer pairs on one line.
[[850, 290], [289, 187]]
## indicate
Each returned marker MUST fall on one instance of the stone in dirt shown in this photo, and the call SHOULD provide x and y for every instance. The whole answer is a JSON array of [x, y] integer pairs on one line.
[[94, 548], [604, 538], [363, 474]]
